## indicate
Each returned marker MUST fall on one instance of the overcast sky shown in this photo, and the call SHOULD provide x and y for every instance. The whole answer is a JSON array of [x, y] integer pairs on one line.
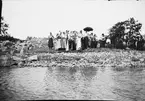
[[39, 17]]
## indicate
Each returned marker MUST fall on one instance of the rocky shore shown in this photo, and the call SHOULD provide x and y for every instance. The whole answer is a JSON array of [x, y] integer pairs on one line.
[[18, 55], [115, 58]]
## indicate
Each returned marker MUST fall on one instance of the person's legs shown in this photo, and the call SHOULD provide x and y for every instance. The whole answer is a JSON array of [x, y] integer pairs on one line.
[[92, 44], [87, 42], [104, 44], [71, 45], [95, 44], [82, 43], [74, 45]]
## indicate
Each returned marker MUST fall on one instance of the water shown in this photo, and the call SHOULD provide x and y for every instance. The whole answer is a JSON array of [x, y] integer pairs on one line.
[[100, 83]]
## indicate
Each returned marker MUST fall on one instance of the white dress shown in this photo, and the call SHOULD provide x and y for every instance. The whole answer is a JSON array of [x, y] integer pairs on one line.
[[108, 41], [78, 42], [67, 43], [63, 41], [58, 44]]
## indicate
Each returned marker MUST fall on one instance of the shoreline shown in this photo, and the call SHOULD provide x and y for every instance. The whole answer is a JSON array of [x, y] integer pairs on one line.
[[117, 59]]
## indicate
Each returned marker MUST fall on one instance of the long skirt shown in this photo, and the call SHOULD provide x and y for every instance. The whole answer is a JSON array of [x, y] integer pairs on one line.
[[140, 45], [63, 43], [95, 44], [102, 44], [78, 43], [50, 43], [67, 45], [92, 44], [86, 42], [82, 43], [72, 45], [58, 44]]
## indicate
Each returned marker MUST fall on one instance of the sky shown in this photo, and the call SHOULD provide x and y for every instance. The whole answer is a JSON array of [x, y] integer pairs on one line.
[[37, 18]]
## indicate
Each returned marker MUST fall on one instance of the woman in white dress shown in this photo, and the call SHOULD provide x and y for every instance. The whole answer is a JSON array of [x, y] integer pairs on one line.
[[67, 41], [78, 41], [58, 43], [63, 40]]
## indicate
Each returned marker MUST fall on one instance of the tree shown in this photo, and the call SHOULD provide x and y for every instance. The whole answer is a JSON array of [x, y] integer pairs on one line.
[[4, 28], [129, 27], [1, 6], [4, 35]]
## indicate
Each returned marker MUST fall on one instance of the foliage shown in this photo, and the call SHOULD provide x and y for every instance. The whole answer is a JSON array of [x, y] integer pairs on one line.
[[4, 34], [129, 27], [4, 28]]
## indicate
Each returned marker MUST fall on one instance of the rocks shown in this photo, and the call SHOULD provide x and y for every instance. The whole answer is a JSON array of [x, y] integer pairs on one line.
[[6, 60], [21, 63], [142, 59], [33, 58], [16, 58], [36, 64], [135, 59], [96, 57]]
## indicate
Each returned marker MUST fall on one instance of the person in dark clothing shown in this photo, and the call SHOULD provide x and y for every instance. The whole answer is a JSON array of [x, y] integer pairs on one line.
[[92, 40], [103, 41], [82, 43], [50, 41], [95, 41], [119, 44], [140, 43], [131, 42], [74, 45], [70, 44], [86, 40]]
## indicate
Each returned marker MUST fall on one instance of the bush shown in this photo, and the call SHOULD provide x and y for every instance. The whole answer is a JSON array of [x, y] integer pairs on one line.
[[10, 38]]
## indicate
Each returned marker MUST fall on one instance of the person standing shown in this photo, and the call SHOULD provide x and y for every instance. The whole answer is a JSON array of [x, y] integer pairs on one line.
[[95, 41], [103, 40], [92, 40], [63, 40], [58, 41], [82, 41], [78, 41], [50, 41], [70, 40], [67, 41], [108, 42], [74, 40], [86, 40]]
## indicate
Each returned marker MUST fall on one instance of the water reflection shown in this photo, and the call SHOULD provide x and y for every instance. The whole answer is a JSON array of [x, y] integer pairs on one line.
[[88, 71], [130, 84], [73, 70], [71, 83], [25, 82]]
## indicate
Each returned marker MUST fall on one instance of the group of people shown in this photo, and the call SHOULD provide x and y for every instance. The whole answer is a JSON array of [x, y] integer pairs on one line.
[[73, 40]]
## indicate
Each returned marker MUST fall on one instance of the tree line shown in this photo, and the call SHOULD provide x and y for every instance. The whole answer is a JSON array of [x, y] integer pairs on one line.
[[122, 34], [127, 34], [4, 35]]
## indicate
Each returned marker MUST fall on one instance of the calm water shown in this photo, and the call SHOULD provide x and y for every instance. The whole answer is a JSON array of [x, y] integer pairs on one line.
[[73, 83]]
